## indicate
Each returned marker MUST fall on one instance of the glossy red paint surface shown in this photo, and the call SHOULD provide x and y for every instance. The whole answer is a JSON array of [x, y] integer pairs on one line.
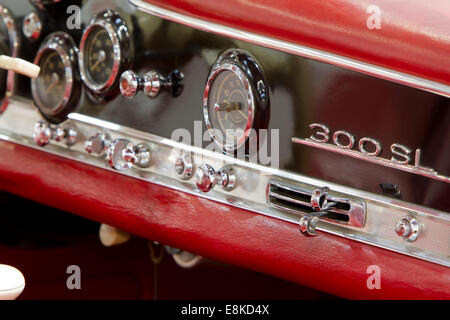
[[413, 37], [327, 263]]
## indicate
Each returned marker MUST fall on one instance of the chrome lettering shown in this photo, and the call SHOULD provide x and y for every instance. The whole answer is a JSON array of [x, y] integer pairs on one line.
[[400, 151], [324, 134], [350, 138], [374, 142]]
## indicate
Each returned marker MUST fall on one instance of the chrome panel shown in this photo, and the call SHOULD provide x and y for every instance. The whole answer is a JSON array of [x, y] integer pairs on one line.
[[251, 183]]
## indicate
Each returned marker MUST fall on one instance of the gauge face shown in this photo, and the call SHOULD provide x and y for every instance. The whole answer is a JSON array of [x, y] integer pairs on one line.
[[105, 52], [99, 59], [235, 100], [56, 90], [228, 108], [51, 83]]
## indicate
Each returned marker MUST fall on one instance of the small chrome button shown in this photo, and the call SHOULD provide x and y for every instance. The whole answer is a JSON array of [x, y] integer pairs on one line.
[[32, 26], [98, 144], [206, 178], [130, 84], [184, 166], [138, 155], [122, 154], [408, 228], [42, 133]]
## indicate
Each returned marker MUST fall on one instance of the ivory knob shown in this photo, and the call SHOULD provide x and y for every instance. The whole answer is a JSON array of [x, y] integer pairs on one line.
[[12, 282], [111, 236]]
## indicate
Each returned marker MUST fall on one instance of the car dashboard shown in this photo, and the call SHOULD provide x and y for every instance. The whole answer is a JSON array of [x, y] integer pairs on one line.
[[206, 132]]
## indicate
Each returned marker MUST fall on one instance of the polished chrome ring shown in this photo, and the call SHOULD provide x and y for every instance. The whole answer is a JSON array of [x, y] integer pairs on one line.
[[65, 47], [111, 22]]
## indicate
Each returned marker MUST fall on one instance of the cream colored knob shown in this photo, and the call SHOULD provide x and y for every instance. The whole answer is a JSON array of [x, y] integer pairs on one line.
[[12, 282], [20, 66], [186, 259], [111, 236]]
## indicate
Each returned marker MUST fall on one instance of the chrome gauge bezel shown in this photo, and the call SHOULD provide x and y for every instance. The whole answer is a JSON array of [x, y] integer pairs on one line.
[[63, 44], [13, 43], [249, 72], [119, 34]]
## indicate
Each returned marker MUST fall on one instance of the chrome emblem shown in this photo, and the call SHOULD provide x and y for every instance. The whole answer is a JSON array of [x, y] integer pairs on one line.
[[369, 150]]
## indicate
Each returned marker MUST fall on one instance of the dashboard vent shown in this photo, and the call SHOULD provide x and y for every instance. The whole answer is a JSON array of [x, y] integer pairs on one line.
[[296, 198]]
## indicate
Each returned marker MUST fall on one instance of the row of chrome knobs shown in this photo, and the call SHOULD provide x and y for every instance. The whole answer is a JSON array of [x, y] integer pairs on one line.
[[45, 132], [122, 154], [206, 177], [152, 83]]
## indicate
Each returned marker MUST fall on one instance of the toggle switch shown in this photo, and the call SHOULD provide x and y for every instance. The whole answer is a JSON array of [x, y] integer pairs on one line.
[[45, 132], [152, 83], [122, 155], [207, 178], [184, 165]]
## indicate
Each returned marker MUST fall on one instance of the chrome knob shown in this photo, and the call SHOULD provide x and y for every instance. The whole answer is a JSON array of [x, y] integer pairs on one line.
[[184, 166], [408, 228], [122, 155], [152, 83], [98, 144], [130, 84], [32, 26], [44, 132], [206, 178]]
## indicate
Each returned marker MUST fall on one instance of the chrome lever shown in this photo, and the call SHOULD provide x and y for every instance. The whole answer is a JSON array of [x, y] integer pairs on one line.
[[308, 223], [319, 199], [320, 203]]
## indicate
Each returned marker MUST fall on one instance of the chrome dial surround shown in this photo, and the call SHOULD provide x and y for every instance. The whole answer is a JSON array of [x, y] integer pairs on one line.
[[64, 46], [117, 31], [248, 71], [13, 41]]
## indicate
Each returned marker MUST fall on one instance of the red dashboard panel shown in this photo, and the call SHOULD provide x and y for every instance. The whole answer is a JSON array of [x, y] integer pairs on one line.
[[413, 36], [327, 263]]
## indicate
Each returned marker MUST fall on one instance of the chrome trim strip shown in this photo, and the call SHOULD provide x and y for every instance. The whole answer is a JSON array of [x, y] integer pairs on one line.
[[307, 52], [423, 171], [250, 193]]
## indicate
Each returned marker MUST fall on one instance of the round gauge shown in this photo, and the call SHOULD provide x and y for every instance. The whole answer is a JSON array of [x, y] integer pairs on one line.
[[56, 91], [9, 43], [235, 100], [105, 52]]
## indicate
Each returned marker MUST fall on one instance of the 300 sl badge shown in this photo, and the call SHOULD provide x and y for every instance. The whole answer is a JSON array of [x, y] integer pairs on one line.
[[369, 150]]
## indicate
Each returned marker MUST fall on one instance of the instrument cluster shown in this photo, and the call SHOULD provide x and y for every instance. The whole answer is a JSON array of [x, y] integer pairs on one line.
[[105, 51], [235, 99]]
